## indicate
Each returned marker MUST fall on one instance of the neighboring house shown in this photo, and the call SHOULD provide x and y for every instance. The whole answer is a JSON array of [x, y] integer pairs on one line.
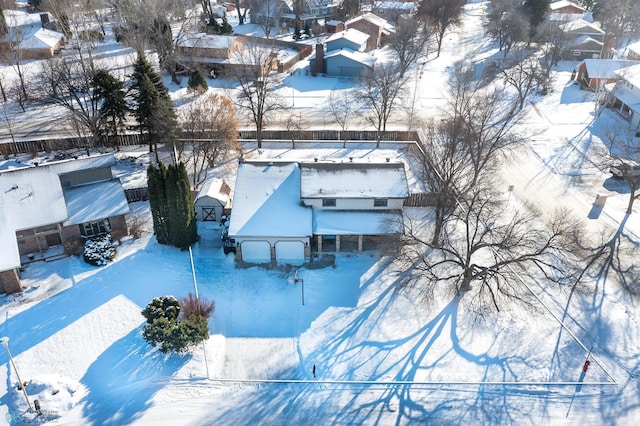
[[334, 26], [283, 211], [393, 10], [633, 51], [596, 73], [208, 50], [213, 201], [340, 63], [624, 96], [580, 28], [583, 47], [30, 35], [376, 27], [283, 10], [351, 39], [566, 11], [49, 210]]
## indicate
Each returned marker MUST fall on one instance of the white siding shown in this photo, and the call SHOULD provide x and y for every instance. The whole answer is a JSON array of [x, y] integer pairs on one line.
[[355, 204], [290, 251], [256, 251]]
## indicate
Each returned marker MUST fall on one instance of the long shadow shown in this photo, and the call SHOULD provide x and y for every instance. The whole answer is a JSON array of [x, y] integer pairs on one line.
[[123, 379]]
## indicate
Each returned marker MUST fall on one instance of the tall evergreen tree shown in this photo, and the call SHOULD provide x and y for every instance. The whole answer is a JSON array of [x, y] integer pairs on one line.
[[172, 209], [536, 10], [110, 92], [156, 188], [152, 105]]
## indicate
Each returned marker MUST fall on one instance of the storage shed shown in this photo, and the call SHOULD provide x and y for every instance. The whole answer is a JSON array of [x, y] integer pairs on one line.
[[213, 200]]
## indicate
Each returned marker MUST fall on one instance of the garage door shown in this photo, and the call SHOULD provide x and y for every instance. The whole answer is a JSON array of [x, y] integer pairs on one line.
[[256, 251], [290, 251]]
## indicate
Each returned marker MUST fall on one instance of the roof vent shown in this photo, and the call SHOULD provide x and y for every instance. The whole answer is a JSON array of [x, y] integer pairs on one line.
[[351, 159], [315, 159], [387, 159]]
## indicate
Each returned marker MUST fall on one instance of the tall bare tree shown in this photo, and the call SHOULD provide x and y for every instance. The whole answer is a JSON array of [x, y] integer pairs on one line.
[[622, 157], [487, 245], [507, 24], [379, 91], [441, 15], [619, 18], [410, 43], [521, 70], [553, 42], [209, 134], [257, 78], [341, 104]]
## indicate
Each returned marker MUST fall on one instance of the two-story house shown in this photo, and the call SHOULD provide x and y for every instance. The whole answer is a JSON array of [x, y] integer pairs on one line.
[[284, 211], [48, 210], [284, 11]]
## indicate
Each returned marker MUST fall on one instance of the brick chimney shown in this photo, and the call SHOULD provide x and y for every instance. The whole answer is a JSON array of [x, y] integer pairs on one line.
[[319, 66]]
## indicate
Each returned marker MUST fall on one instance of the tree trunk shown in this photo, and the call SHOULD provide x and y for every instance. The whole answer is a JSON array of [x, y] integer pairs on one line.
[[632, 198]]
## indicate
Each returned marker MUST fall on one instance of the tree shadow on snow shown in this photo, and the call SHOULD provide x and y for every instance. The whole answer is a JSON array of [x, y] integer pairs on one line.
[[122, 381]]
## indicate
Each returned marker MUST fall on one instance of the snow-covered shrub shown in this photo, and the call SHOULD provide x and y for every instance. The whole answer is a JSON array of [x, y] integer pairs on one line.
[[99, 250]]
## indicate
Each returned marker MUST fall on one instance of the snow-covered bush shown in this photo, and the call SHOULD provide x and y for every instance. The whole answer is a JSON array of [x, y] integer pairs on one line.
[[99, 250]]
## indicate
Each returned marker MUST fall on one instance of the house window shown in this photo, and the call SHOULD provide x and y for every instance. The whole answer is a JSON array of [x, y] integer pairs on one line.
[[328, 202], [91, 229], [576, 53], [380, 202]]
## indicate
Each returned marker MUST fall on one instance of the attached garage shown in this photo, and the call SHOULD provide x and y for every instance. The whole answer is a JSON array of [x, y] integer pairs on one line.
[[213, 201], [290, 251], [256, 251]]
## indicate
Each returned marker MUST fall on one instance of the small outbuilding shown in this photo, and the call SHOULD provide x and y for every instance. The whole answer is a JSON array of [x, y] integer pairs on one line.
[[213, 201]]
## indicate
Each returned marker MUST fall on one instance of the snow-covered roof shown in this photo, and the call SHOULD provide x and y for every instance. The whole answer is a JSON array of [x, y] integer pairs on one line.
[[266, 201], [19, 18], [351, 34], [631, 74], [634, 47], [606, 68], [625, 94], [33, 196], [374, 19], [334, 22], [586, 43], [581, 25], [406, 6], [29, 197], [360, 57], [214, 188], [209, 41], [564, 3], [41, 39], [95, 201], [331, 222], [353, 180]]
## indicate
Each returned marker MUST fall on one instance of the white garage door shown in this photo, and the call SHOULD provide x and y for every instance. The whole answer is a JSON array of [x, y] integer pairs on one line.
[[256, 251], [290, 251]]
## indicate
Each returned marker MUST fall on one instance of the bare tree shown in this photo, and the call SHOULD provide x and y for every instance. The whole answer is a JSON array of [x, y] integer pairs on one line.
[[619, 18], [522, 71], [506, 24], [69, 83], [293, 123], [441, 15], [11, 53], [410, 43], [268, 13], [242, 12], [209, 133], [257, 78], [487, 245], [379, 90], [342, 108], [465, 144], [553, 42]]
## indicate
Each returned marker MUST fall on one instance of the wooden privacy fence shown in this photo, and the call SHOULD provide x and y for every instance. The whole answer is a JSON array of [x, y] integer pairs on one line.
[[133, 139]]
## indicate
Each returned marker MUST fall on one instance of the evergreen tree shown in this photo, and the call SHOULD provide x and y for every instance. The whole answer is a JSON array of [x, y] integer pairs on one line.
[[152, 105], [197, 82], [213, 27], [296, 32], [536, 10], [174, 218], [226, 26], [110, 91], [156, 188]]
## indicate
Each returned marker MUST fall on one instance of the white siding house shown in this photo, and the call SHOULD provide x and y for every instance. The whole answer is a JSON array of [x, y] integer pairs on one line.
[[624, 96], [213, 200]]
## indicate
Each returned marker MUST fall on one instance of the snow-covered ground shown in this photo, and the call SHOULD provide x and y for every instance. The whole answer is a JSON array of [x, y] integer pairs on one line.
[[382, 355]]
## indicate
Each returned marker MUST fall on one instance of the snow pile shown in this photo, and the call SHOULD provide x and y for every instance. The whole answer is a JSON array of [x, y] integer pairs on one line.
[[50, 397]]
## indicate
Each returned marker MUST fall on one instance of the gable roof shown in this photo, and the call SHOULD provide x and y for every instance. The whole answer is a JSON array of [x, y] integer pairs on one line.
[[41, 39], [207, 41], [358, 57], [266, 201], [606, 68], [586, 44], [33, 196], [386, 27], [95, 201], [350, 34], [582, 26], [214, 188], [564, 3], [353, 180], [631, 75]]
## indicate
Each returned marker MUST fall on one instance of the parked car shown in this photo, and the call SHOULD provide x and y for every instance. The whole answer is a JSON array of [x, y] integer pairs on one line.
[[623, 169]]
